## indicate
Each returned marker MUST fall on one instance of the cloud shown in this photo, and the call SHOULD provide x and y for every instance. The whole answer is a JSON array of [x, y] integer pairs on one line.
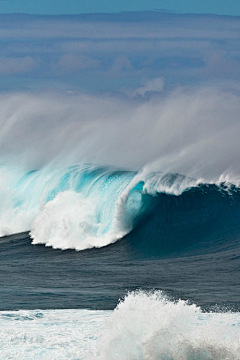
[[153, 85], [115, 51], [221, 63], [120, 64], [69, 63], [11, 65], [112, 26]]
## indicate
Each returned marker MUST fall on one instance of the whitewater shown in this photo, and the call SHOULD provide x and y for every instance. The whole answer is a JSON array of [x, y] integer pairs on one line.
[[119, 225], [143, 326]]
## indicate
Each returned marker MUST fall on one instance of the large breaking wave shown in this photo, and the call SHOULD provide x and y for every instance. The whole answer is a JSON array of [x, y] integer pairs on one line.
[[193, 132], [85, 206]]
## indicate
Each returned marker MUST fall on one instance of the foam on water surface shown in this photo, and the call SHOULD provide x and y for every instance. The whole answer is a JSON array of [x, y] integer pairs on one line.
[[142, 327], [50, 334]]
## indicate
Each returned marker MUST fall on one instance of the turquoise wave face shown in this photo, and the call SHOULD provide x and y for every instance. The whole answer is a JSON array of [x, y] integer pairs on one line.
[[84, 206], [78, 207]]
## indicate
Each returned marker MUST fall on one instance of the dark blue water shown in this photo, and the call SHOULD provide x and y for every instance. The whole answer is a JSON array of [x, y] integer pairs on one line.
[[184, 243], [38, 277]]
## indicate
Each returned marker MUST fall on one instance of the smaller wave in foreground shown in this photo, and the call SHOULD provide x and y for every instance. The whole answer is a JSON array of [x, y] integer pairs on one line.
[[143, 326], [149, 326]]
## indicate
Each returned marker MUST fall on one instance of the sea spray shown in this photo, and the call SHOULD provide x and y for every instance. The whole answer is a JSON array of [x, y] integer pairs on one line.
[[144, 326], [148, 326]]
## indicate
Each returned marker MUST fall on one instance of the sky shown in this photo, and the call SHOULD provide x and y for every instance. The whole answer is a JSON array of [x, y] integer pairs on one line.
[[117, 52], [53, 7], [123, 81], [117, 46]]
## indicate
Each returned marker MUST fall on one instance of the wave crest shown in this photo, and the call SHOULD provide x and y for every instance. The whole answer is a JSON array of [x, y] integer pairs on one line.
[[85, 206], [149, 326]]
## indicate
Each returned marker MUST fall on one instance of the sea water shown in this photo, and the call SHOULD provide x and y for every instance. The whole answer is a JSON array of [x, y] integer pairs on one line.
[[143, 326], [98, 313]]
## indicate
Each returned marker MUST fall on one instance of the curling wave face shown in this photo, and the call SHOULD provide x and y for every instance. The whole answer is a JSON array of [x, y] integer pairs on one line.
[[85, 206]]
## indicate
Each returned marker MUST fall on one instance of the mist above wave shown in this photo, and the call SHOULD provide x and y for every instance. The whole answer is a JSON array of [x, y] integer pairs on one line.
[[190, 131]]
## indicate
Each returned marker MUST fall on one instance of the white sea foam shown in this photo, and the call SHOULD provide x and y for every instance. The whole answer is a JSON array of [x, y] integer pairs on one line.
[[50, 334], [148, 326], [71, 221], [142, 327]]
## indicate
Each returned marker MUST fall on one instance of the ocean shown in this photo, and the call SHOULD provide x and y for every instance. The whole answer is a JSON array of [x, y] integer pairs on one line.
[[98, 262], [119, 180]]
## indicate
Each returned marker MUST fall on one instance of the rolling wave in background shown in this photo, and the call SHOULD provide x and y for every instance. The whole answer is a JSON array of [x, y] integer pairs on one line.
[[85, 206]]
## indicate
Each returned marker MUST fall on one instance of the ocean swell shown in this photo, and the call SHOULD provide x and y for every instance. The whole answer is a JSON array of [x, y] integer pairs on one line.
[[85, 206]]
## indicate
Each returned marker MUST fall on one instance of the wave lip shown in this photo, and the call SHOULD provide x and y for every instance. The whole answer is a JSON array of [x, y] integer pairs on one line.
[[102, 207]]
